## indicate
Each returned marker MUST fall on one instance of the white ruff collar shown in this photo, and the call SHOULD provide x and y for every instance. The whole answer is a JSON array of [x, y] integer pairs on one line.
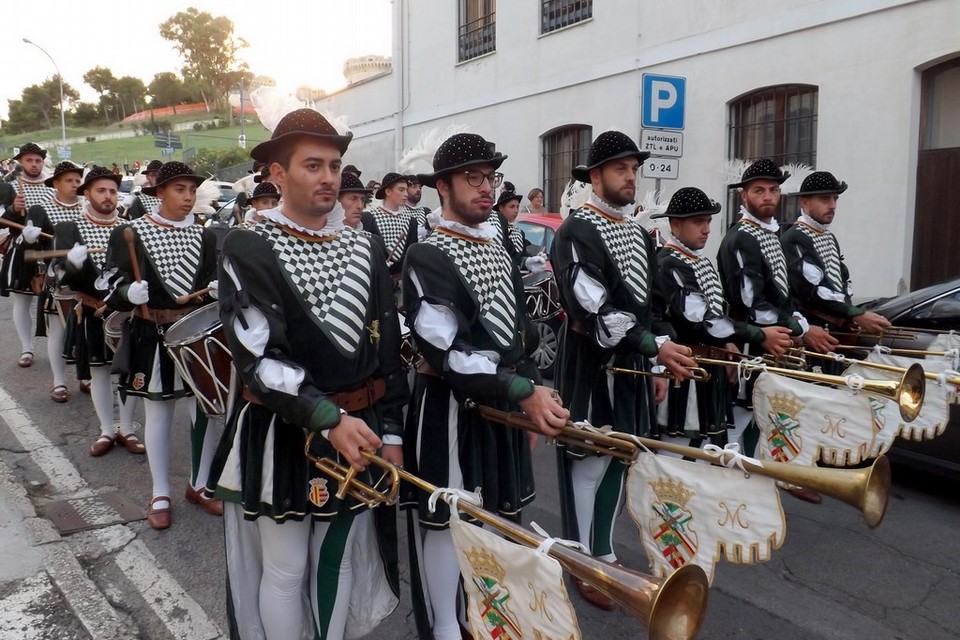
[[484, 231], [390, 211], [773, 226], [671, 239], [64, 205], [333, 224], [810, 222], [179, 224], [96, 217], [620, 213]]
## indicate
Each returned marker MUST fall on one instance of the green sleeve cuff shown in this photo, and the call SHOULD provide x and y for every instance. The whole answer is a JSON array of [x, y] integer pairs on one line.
[[325, 416], [755, 335], [520, 388], [649, 346], [855, 311]]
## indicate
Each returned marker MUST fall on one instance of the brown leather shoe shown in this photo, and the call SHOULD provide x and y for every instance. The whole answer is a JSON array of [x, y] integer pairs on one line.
[[211, 506], [159, 518], [807, 495], [102, 446], [593, 596], [131, 443], [26, 359], [84, 386], [59, 394]]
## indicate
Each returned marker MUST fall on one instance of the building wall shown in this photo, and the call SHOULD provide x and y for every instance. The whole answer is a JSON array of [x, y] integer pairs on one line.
[[864, 56]]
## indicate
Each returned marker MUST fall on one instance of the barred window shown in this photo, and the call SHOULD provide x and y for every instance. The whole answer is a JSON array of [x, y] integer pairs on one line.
[[563, 149], [556, 14], [779, 123], [478, 28]]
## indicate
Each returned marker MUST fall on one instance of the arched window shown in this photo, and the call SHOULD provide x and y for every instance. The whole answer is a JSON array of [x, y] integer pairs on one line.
[[563, 148], [779, 123]]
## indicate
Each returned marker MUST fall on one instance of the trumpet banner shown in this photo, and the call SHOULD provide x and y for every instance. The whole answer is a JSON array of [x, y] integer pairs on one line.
[[945, 342], [698, 513], [802, 423], [513, 592]]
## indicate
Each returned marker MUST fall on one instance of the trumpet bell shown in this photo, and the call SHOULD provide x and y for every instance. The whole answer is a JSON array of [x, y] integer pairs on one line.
[[876, 493], [680, 604], [910, 392]]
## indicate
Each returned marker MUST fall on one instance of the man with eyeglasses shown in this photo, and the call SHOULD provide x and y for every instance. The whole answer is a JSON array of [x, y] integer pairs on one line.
[[467, 313], [605, 264]]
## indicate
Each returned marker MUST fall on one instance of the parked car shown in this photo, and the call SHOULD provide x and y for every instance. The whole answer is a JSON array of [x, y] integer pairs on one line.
[[540, 228], [127, 192], [935, 307], [543, 299]]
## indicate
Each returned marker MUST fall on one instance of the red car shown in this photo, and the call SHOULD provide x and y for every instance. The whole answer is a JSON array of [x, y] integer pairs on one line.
[[543, 300]]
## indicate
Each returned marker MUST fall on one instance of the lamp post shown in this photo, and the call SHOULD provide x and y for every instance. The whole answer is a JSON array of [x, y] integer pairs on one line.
[[63, 117]]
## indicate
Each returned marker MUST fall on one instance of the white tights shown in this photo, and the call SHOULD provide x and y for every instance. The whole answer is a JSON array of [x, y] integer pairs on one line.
[[443, 582], [337, 617], [22, 320], [285, 562], [212, 430], [586, 475], [101, 392], [127, 410], [55, 333]]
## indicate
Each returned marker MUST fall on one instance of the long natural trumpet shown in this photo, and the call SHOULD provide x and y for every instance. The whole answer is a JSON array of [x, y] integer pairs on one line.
[[787, 360], [699, 374], [672, 608], [929, 375], [894, 351], [908, 391], [866, 489]]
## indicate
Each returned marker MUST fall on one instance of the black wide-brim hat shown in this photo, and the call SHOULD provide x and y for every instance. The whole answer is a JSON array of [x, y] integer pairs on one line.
[[762, 169], [689, 202], [388, 180], [609, 145], [506, 197], [350, 183], [351, 169], [264, 190], [98, 173], [458, 152], [302, 122], [152, 166], [63, 167], [172, 171], [31, 147], [821, 183]]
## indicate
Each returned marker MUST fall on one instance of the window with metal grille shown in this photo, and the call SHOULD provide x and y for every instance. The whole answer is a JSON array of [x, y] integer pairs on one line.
[[478, 28], [563, 149], [779, 123], [556, 14]]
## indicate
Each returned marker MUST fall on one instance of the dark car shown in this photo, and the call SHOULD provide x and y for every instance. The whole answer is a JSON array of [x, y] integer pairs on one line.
[[936, 308], [543, 300]]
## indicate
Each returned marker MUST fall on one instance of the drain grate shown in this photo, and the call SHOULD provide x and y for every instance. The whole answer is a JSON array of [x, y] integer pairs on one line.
[[101, 510]]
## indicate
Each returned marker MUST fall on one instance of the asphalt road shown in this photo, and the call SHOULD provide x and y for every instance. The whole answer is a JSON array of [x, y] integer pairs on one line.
[[832, 578]]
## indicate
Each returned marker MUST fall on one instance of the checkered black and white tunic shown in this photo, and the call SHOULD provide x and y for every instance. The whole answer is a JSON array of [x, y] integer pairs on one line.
[[95, 235], [708, 280], [58, 212], [175, 252], [825, 245], [393, 228], [625, 241], [772, 254], [149, 203], [33, 192]]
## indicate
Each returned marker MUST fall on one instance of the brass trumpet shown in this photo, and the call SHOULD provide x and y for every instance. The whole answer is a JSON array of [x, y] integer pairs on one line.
[[788, 360], [908, 391], [866, 489], [929, 375], [699, 374], [672, 608], [897, 351]]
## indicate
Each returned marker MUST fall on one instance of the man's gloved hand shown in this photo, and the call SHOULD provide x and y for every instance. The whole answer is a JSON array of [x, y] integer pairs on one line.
[[77, 255], [536, 264], [214, 289], [138, 292], [30, 233]]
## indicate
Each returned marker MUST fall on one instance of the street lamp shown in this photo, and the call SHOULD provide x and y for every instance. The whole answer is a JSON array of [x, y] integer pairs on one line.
[[63, 117]]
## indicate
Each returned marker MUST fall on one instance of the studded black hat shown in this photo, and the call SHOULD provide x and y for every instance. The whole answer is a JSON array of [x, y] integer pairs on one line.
[[388, 180], [821, 183], [762, 169], [350, 183], [152, 167], [302, 122], [97, 173], [459, 151], [609, 145], [172, 171], [689, 202], [264, 190], [31, 147], [351, 169], [505, 197], [63, 167]]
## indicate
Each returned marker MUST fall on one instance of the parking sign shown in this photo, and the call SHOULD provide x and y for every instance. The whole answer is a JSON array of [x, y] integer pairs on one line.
[[663, 101]]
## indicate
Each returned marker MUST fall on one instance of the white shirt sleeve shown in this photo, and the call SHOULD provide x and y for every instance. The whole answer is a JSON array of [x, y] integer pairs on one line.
[[272, 374]]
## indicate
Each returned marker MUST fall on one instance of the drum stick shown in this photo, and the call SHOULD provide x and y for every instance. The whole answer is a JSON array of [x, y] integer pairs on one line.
[[184, 299], [32, 256], [17, 225], [128, 235]]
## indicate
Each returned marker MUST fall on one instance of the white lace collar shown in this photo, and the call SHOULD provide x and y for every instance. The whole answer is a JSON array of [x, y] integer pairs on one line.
[[67, 205], [333, 224], [179, 224], [813, 224], [483, 231], [390, 211], [620, 213], [773, 226], [672, 239], [95, 217]]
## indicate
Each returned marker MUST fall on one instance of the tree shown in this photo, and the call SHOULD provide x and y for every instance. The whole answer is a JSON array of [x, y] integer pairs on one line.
[[84, 114], [130, 91], [209, 49], [101, 80], [167, 89], [45, 98]]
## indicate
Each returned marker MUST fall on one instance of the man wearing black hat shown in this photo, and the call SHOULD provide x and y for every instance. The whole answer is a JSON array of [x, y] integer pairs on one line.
[[688, 287], [412, 206], [16, 275], [819, 279], [352, 197], [80, 270], [467, 313], [143, 202], [265, 196], [391, 221], [508, 208], [307, 307], [605, 266], [176, 258]]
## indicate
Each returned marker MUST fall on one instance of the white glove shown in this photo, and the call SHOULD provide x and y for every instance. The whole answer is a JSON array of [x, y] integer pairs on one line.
[[214, 289], [77, 255], [422, 233], [536, 264], [30, 233], [138, 292]]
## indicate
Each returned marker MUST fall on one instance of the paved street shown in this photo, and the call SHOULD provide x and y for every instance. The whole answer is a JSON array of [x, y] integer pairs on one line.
[[833, 577]]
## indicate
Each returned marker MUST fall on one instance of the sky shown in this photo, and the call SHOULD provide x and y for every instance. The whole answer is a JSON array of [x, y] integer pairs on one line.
[[295, 42]]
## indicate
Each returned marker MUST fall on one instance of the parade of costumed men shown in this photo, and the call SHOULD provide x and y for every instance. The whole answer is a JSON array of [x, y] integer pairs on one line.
[[391, 221], [265, 196]]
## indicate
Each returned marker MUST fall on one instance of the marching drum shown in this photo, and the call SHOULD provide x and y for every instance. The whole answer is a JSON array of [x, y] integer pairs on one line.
[[64, 301], [407, 352], [113, 329], [543, 296], [197, 344]]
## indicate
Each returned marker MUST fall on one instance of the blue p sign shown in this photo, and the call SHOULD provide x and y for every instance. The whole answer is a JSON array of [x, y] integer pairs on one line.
[[663, 101]]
